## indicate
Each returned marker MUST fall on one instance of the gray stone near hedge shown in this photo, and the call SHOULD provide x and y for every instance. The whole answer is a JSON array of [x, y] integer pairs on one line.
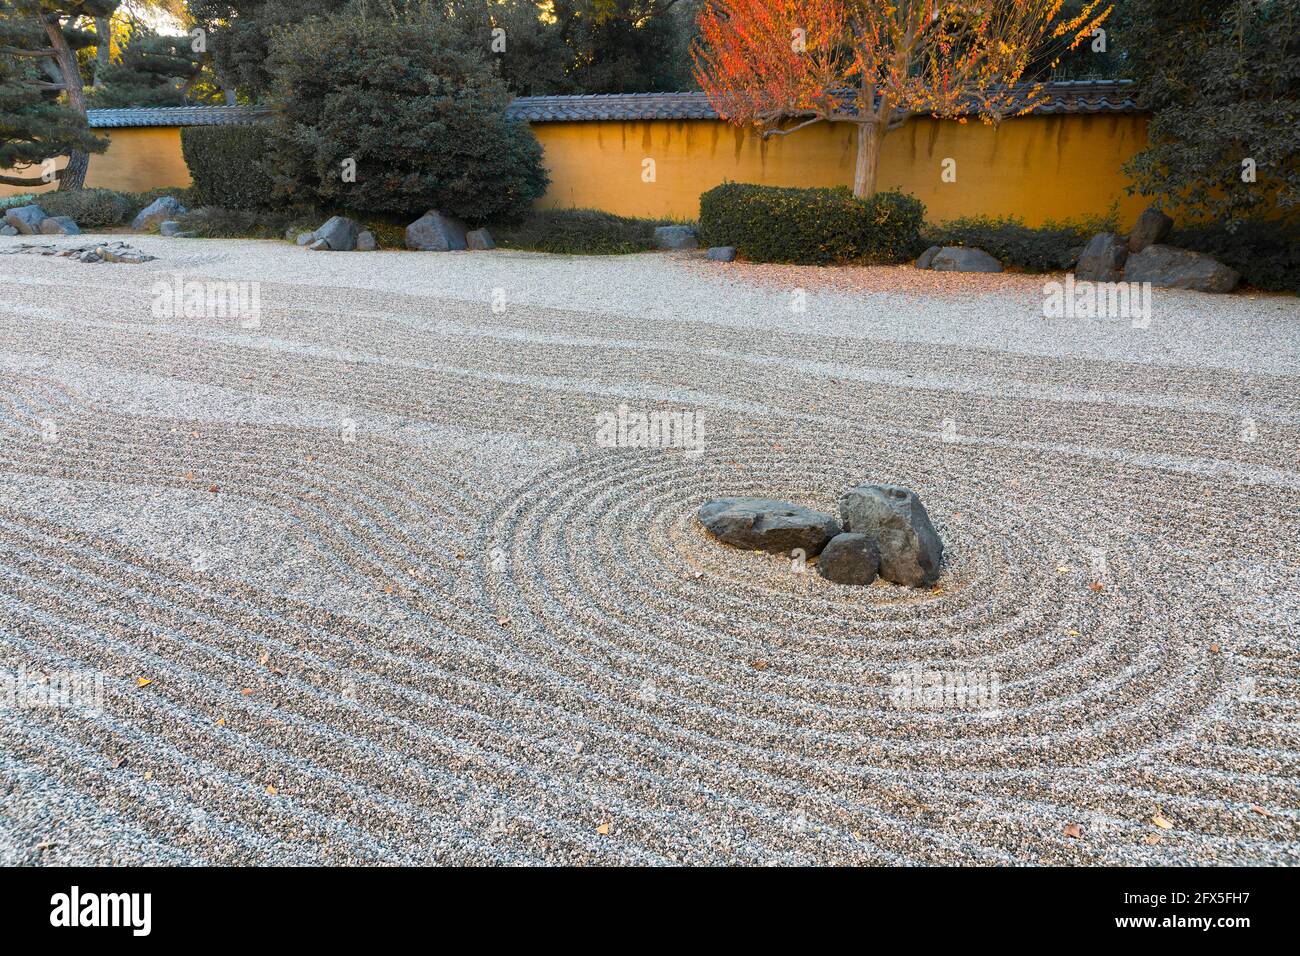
[[964, 259], [925, 259], [305, 238], [761, 524], [1172, 268], [434, 232], [339, 233], [850, 558], [1152, 227], [722, 253], [8, 230], [59, 226], [366, 241], [676, 237], [479, 240], [161, 209], [1102, 259], [910, 549], [169, 227], [26, 219]]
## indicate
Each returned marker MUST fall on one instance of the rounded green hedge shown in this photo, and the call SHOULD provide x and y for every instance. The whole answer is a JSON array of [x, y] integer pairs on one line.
[[226, 164], [811, 226]]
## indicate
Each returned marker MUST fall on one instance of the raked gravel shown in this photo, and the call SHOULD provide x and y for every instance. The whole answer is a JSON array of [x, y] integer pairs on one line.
[[364, 588]]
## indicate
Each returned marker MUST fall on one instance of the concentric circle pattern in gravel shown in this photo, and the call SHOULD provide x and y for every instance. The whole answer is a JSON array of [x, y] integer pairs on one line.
[[363, 587]]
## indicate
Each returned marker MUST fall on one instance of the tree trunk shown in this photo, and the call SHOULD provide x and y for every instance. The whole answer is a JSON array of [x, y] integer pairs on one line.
[[74, 174], [103, 48], [864, 172]]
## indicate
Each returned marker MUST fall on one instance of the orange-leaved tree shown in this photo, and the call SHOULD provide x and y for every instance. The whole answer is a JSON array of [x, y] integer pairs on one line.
[[875, 63]]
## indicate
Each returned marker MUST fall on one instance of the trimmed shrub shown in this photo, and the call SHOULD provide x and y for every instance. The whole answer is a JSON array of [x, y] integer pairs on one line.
[[1265, 252], [810, 226], [1051, 247], [215, 222], [580, 232], [90, 208], [225, 163], [423, 120]]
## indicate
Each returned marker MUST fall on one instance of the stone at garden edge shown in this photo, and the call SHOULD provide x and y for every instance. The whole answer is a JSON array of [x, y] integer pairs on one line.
[[162, 208], [1172, 268], [964, 259], [850, 558], [1152, 226], [434, 232], [761, 524], [910, 549], [1102, 259], [26, 219]]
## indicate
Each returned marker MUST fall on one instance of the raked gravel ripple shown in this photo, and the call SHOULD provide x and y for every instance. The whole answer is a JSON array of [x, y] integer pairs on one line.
[[364, 588]]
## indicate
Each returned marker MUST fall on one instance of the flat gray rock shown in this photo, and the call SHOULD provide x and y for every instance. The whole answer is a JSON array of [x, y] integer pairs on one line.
[[926, 259], [850, 558], [761, 524], [1152, 227], [963, 259], [434, 232], [1102, 259], [160, 210], [722, 253], [8, 230], [479, 239], [1172, 268], [676, 237], [910, 549], [339, 233], [59, 226], [26, 219]]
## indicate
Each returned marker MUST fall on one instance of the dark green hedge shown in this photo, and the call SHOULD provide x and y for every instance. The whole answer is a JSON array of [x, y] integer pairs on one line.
[[225, 163], [579, 232], [1052, 247], [1266, 253], [810, 226]]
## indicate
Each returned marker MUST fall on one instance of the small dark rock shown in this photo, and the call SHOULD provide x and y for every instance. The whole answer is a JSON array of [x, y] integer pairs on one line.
[[964, 259], [1102, 259], [910, 550], [850, 558], [1152, 226], [434, 232], [722, 253], [926, 259]]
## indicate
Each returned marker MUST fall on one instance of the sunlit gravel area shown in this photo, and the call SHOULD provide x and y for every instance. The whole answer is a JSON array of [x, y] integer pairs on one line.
[[360, 585]]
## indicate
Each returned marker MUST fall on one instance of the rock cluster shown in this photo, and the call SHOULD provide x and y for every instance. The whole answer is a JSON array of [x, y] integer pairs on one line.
[[1142, 258], [31, 220], [882, 530], [163, 209], [338, 234], [92, 252]]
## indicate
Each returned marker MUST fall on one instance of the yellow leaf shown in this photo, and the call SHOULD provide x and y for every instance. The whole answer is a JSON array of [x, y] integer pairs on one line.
[[1161, 822], [142, 682], [221, 721], [271, 791], [1074, 831], [603, 829]]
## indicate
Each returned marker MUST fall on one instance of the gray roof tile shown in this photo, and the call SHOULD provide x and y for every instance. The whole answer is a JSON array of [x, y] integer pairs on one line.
[[1064, 96]]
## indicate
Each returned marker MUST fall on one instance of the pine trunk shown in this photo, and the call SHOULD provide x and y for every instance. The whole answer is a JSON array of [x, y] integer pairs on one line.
[[74, 174], [103, 48]]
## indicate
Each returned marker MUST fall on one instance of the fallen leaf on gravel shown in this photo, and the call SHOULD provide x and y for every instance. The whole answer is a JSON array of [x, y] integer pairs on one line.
[[603, 829], [264, 658], [1161, 822], [937, 590], [1261, 811], [1074, 831], [503, 621], [388, 589], [118, 762], [148, 774], [194, 434], [247, 692], [214, 489], [189, 476], [221, 721], [1151, 839], [1096, 585], [1074, 633], [143, 682], [1215, 648], [1062, 570], [759, 665], [271, 791]]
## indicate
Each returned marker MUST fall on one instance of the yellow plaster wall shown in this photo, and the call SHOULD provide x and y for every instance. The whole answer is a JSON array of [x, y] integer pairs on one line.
[[137, 159], [1038, 168]]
